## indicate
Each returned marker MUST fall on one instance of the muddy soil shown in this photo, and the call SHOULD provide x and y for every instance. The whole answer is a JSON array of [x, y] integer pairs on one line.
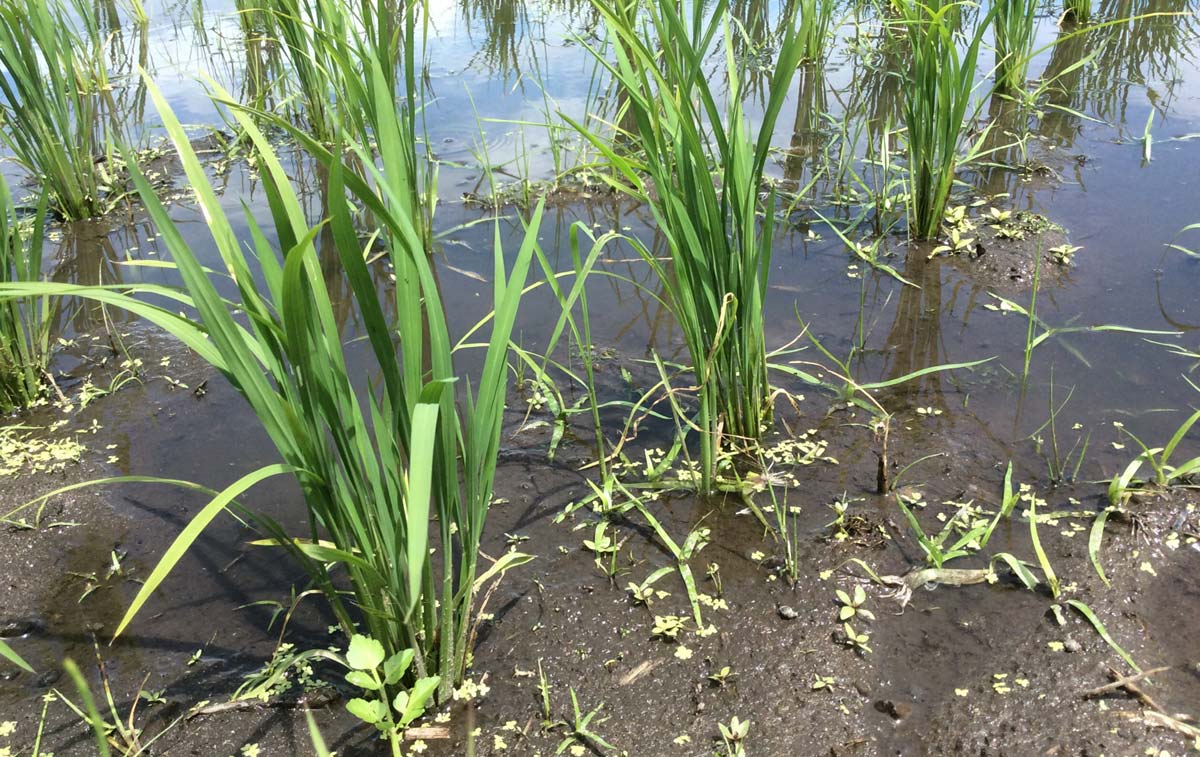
[[977, 669]]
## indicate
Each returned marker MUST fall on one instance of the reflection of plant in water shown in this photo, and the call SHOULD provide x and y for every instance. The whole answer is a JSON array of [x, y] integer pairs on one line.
[[1143, 52], [1064, 87], [807, 145]]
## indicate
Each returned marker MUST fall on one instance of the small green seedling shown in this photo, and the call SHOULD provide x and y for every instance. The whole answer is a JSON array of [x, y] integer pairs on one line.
[[370, 671], [856, 640], [667, 626], [645, 593], [823, 682], [723, 676], [852, 605], [581, 729], [605, 547], [734, 736], [838, 524]]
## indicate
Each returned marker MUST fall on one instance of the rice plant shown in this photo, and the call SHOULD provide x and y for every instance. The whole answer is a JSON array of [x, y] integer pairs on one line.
[[1013, 25], [720, 249], [937, 95], [343, 57], [51, 103], [815, 27], [376, 452], [1158, 459], [1078, 11], [24, 322]]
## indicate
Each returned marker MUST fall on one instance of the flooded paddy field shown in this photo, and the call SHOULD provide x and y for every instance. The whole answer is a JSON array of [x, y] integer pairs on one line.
[[966, 522]]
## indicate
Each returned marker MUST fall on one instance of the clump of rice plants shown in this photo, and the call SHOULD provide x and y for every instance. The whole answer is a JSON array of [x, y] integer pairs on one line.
[[24, 322], [50, 100], [378, 452], [720, 248], [343, 57], [1078, 11], [938, 91], [815, 27], [1013, 24]]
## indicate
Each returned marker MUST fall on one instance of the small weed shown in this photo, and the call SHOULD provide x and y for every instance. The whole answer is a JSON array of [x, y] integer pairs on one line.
[[852, 604], [856, 640], [582, 731], [733, 736], [723, 677]]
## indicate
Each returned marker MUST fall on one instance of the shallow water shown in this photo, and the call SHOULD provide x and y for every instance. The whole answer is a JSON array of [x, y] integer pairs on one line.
[[497, 60]]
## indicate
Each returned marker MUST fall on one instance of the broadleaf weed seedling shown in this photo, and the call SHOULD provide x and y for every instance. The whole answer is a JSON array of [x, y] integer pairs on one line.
[[733, 736], [645, 593], [856, 640], [376, 674], [852, 604], [722, 677]]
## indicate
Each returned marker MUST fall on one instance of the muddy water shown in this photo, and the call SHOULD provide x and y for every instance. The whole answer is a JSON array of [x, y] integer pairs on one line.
[[1083, 167]]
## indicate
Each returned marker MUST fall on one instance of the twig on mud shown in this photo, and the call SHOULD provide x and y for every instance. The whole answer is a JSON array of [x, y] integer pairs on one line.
[[1129, 684], [1163, 720], [1156, 716]]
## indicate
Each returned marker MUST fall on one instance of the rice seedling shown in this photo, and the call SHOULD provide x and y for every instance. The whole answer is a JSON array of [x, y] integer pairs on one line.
[[314, 735], [51, 104], [720, 251], [315, 35], [1158, 459], [375, 460], [1013, 26], [1185, 250], [1058, 463], [1097, 624], [25, 323], [1043, 560], [111, 729], [787, 532], [815, 19], [1078, 11], [1037, 331], [356, 72], [938, 92]]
